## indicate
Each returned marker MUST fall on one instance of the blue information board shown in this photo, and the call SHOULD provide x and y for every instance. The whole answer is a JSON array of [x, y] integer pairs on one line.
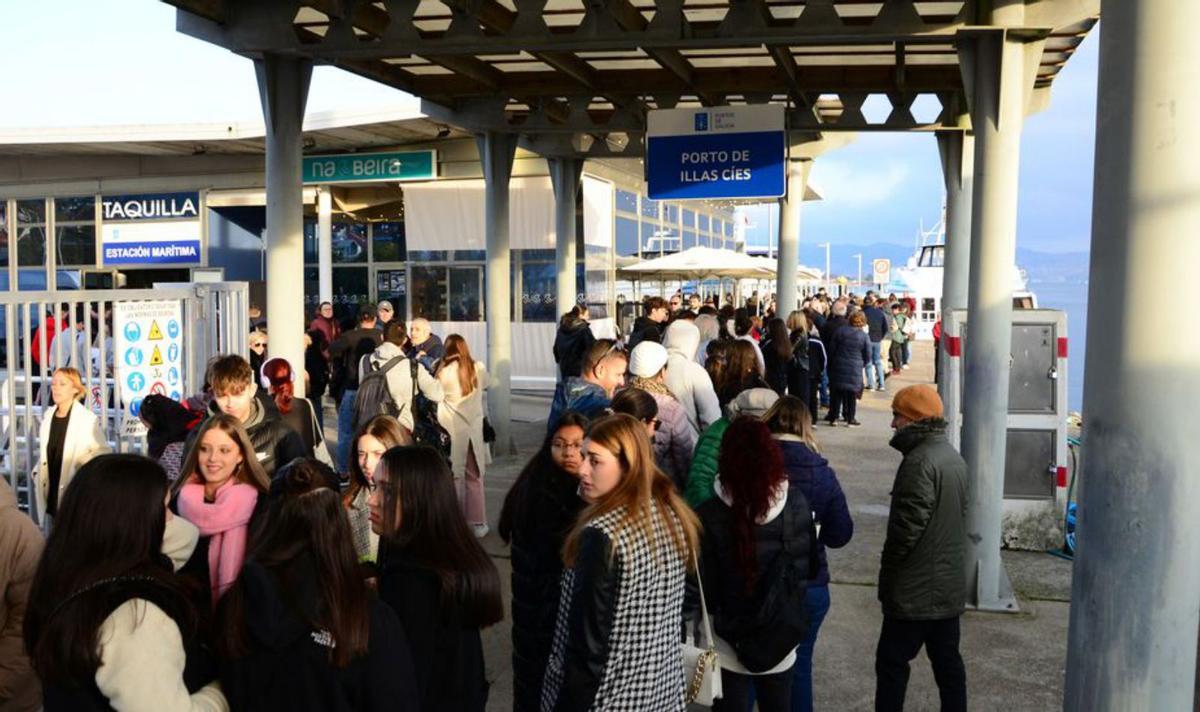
[[721, 153]]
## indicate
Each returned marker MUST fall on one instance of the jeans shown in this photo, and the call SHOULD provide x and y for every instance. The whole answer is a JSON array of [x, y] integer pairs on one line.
[[345, 430], [907, 352], [814, 385], [896, 356], [817, 600], [740, 692], [824, 388], [875, 366], [899, 643]]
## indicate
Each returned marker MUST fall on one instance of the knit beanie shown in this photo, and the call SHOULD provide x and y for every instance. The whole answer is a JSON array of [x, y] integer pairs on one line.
[[647, 359], [918, 402]]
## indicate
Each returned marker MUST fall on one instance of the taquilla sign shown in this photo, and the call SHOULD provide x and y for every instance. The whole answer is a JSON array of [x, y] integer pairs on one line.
[[154, 228], [156, 206]]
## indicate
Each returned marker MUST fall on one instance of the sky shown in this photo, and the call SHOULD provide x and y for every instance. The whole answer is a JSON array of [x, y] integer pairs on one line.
[[122, 62]]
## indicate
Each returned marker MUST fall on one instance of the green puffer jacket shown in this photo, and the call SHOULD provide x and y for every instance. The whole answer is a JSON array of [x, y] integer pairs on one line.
[[703, 471], [921, 576]]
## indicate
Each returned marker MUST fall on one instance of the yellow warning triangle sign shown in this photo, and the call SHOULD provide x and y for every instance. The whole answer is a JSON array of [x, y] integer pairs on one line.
[[156, 357], [155, 332]]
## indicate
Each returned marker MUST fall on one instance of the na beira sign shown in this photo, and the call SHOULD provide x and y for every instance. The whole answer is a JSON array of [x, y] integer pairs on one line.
[[716, 153], [370, 167]]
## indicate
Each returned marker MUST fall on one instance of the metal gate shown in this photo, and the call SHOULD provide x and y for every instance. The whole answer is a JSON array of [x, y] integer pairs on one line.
[[215, 321]]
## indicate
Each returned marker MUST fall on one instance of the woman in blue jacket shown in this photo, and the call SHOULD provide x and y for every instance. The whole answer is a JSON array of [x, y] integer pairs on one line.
[[849, 354], [807, 471]]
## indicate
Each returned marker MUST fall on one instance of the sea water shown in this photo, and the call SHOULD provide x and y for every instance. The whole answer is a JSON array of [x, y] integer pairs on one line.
[[1070, 297]]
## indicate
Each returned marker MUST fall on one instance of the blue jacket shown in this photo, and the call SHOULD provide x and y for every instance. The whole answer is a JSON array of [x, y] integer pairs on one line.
[[849, 353], [812, 475], [877, 324], [578, 395]]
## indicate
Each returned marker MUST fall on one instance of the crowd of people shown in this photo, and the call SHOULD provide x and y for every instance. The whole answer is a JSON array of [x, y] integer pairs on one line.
[[254, 566]]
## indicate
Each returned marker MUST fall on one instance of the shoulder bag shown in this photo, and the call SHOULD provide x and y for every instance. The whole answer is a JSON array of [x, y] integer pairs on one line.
[[701, 668]]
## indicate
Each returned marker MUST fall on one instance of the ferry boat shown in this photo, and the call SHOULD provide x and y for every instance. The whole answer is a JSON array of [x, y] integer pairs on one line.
[[921, 278]]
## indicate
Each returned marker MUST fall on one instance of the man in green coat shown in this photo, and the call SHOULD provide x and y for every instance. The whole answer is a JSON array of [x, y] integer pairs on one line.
[[922, 580]]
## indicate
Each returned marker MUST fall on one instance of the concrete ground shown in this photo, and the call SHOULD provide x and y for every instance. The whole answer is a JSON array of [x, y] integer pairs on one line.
[[1014, 661]]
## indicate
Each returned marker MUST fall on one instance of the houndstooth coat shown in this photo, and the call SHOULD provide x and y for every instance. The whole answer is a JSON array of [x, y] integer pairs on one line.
[[617, 639]]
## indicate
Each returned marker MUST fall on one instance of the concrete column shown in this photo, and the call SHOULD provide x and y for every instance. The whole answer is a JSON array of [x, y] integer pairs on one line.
[[1136, 585], [564, 174], [788, 259], [325, 243], [997, 113], [957, 150], [496, 153], [283, 89]]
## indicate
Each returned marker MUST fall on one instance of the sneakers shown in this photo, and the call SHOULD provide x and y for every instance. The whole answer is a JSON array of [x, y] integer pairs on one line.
[[880, 389], [905, 366], [481, 530], [831, 423], [854, 424]]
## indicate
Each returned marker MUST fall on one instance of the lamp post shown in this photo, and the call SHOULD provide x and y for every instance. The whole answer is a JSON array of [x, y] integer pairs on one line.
[[858, 282], [828, 285]]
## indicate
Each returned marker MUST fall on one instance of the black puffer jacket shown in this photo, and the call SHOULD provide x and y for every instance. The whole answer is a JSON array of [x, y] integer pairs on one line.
[[921, 575], [547, 507], [644, 329], [275, 443], [570, 346], [287, 666], [848, 355]]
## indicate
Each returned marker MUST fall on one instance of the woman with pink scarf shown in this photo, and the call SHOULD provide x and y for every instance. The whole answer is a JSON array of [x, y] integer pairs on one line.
[[222, 490]]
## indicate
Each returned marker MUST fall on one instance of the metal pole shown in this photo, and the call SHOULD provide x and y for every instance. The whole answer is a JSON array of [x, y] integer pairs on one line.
[[997, 114], [1132, 640], [858, 280], [325, 243], [789, 236], [564, 175], [957, 149], [828, 288], [496, 153], [283, 89]]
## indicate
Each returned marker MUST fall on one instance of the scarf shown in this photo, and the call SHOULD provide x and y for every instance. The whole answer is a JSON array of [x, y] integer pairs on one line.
[[650, 385], [226, 522]]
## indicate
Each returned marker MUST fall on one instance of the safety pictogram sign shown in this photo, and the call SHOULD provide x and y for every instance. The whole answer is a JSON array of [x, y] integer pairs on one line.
[[149, 353]]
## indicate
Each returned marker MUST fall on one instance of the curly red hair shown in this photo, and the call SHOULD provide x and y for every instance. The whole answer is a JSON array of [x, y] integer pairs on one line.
[[751, 470]]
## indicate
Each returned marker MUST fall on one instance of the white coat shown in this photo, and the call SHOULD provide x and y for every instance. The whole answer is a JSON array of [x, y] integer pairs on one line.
[[84, 440], [687, 380], [462, 417]]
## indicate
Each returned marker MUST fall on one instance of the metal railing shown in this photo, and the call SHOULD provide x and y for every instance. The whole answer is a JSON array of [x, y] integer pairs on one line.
[[215, 321]]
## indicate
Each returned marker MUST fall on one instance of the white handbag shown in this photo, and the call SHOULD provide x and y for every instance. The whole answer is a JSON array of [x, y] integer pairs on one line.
[[700, 664]]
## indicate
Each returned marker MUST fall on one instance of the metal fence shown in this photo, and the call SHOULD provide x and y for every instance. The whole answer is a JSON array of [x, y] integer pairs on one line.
[[215, 321]]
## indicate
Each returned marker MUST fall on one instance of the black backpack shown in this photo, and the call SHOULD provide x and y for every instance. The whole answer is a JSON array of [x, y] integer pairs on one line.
[[374, 398], [780, 619], [426, 428]]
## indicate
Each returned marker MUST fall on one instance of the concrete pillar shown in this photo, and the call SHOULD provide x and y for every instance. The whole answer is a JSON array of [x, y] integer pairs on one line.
[[564, 174], [496, 153], [957, 150], [997, 114], [788, 259], [283, 89], [1136, 585], [325, 243]]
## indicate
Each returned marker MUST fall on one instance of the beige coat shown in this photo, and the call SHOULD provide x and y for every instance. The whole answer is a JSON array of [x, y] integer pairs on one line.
[[84, 440], [462, 417], [20, 548]]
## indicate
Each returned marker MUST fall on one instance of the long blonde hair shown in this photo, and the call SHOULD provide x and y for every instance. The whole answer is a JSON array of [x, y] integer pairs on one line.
[[790, 416], [249, 472], [457, 350], [641, 484]]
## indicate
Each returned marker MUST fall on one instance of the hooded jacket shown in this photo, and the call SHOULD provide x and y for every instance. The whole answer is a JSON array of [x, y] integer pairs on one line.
[[287, 666], [811, 474], [20, 548], [703, 470], [583, 397], [400, 382], [571, 344], [687, 380], [921, 574]]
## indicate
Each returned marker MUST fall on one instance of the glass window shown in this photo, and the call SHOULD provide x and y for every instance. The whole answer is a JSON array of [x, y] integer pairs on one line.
[[689, 239], [703, 223], [466, 294], [392, 285], [387, 241], [717, 228], [429, 255], [470, 255], [310, 242], [428, 291], [350, 290], [651, 243], [626, 237], [81, 209], [673, 213], [649, 208], [597, 281], [538, 295], [312, 292], [626, 201], [538, 255], [31, 233], [76, 244], [728, 229], [349, 243], [3, 233], [689, 218]]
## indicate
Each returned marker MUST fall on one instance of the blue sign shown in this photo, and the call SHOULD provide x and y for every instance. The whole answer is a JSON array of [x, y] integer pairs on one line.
[[152, 206], [173, 352], [173, 329], [136, 381], [176, 395], [133, 332], [173, 375], [133, 356], [719, 153], [135, 407]]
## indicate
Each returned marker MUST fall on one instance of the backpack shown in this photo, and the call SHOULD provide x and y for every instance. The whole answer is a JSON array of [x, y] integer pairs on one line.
[[780, 620], [426, 428], [374, 398]]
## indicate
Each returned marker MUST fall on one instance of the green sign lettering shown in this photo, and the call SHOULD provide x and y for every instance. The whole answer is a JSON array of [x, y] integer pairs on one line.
[[364, 167]]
